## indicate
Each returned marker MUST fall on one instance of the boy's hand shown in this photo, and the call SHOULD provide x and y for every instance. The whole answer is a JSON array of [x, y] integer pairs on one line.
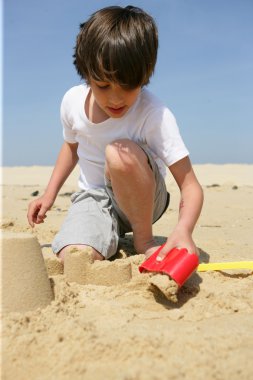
[[37, 210], [180, 238]]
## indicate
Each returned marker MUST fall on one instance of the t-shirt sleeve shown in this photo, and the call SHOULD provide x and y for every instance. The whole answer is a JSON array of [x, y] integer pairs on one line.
[[163, 136], [65, 114]]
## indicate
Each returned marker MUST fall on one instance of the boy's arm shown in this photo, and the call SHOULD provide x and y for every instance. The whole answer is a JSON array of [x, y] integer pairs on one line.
[[66, 161], [189, 208]]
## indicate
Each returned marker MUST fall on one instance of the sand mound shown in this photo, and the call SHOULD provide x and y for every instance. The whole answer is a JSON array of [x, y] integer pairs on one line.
[[24, 284], [79, 267], [161, 282]]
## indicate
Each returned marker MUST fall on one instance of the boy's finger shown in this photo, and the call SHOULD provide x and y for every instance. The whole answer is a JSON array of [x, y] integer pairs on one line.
[[31, 222], [164, 252], [42, 213], [32, 215]]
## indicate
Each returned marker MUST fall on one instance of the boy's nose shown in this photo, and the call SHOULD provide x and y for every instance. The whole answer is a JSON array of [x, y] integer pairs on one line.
[[116, 98], [116, 101]]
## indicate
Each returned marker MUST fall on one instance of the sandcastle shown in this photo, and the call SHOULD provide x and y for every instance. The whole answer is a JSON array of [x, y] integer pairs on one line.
[[24, 284], [80, 267]]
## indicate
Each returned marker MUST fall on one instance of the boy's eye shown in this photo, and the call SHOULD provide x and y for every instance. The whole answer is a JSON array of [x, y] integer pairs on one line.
[[103, 86]]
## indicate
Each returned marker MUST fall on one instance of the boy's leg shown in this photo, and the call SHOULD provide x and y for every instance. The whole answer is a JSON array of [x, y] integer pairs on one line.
[[89, 223], [133, 185]]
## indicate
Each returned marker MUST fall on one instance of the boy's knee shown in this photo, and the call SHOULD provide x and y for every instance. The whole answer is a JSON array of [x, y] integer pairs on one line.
[[124, 155]]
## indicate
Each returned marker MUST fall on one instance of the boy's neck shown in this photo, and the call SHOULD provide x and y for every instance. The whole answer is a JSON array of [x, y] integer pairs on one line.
[[92, 110]]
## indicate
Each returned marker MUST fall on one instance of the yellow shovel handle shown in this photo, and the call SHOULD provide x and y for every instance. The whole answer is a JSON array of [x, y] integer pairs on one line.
[[228, 265]]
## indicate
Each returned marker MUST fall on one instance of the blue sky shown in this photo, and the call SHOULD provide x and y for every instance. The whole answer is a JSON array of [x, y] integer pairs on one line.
[[204, 74]]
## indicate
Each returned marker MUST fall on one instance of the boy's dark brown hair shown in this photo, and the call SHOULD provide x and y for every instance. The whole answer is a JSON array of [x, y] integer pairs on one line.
[[117, 45]]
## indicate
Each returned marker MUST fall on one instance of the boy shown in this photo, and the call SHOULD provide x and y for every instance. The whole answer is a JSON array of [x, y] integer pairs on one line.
[[122, 137]]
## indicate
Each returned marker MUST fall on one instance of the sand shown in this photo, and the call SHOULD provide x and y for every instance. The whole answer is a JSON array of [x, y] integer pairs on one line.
[[163, 283], [105, 322]]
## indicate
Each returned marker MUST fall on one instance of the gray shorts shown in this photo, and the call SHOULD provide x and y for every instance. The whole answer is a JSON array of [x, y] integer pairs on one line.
[[94, 218]]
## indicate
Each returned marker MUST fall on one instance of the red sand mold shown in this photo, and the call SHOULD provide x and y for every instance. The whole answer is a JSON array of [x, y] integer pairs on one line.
[[178, 264]]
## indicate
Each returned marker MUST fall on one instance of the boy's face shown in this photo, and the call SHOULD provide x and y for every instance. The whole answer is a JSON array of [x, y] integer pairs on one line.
[[113, 99]]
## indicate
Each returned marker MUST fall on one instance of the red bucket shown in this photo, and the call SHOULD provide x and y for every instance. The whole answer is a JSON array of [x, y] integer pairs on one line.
[[179, 264]]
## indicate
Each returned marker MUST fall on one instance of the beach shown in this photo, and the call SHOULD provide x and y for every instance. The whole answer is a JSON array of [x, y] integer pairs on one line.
[[108, 324]]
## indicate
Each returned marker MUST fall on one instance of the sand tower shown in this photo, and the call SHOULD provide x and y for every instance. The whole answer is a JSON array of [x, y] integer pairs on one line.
[[24, 281]]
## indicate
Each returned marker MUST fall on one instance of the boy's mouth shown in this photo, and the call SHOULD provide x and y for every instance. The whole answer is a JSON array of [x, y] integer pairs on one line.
[[116, 111]]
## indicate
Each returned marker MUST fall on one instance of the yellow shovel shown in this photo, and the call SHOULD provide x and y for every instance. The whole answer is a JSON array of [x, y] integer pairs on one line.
[[226, 265]]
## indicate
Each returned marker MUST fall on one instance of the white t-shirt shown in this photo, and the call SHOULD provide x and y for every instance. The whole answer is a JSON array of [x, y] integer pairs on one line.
[[148, 122]]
